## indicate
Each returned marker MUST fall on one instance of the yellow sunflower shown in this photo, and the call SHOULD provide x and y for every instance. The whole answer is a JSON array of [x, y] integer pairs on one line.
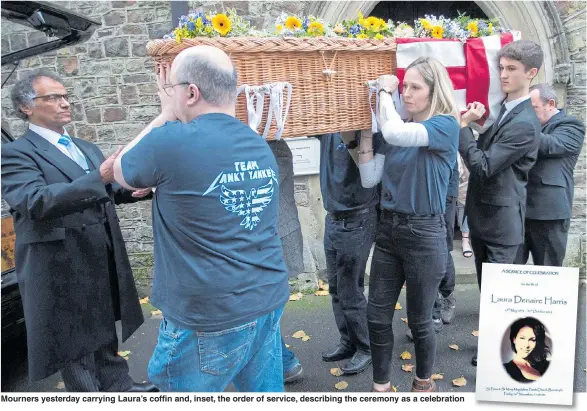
[[292, 23], [316, 29], [372, 23], [426, 24], [279, 28], [490, 28], [221, 24], [437, 32], [472, 27]]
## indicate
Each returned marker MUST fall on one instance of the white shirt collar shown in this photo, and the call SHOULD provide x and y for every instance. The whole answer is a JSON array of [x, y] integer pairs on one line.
[[509, 106], [49, 135]]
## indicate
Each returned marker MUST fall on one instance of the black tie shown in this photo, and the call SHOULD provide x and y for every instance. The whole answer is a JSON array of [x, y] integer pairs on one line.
[[500, 115]]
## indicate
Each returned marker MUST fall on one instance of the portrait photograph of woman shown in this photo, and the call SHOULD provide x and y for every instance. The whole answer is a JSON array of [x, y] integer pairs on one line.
[[526, 350]]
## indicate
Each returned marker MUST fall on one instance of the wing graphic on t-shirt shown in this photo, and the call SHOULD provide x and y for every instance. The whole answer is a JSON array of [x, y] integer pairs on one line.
[[249, 206], [261, 196]]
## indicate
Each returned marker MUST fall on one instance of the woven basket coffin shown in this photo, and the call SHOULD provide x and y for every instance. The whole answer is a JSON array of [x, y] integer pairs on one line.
[[319, 104]]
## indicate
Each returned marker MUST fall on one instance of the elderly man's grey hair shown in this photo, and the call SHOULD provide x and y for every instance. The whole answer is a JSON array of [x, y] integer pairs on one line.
[[23, 92], [547, 93], [217, 84]]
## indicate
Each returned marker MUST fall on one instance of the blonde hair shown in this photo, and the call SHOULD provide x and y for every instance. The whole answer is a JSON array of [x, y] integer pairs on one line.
[[442, 93]]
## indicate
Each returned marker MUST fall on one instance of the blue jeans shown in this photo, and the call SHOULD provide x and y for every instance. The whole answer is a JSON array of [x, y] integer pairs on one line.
[[195, 361], [288, 358]]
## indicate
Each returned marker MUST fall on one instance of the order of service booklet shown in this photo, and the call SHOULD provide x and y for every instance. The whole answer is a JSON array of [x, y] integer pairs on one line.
[[527, 328]]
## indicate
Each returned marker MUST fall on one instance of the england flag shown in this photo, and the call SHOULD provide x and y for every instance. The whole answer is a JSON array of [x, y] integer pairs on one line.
[[472, 67]]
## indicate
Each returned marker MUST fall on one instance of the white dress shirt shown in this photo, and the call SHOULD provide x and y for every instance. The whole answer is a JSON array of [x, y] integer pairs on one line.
[[53, 138], [509, 106]]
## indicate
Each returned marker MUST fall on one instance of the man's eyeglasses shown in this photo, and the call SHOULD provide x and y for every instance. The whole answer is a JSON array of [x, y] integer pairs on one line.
[[53, 98], [169, 88]]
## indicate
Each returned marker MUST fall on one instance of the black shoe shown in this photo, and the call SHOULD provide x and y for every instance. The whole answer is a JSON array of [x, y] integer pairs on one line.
[[143, 387], [474, 360], [358, 363], [294, 374], [447, 312], [339, 353]]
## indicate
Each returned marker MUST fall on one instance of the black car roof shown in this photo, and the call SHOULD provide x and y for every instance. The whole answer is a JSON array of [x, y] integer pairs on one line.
[[69, 28]]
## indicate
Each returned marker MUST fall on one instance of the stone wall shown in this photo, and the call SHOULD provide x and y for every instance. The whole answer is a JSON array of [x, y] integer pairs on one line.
[[261, 14], [573, 17]]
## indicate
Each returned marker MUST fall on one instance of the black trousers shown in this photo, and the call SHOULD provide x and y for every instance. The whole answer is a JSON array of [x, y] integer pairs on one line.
[[546, 240], [102, 370], [410, 250], [347, 243], [491, 253]]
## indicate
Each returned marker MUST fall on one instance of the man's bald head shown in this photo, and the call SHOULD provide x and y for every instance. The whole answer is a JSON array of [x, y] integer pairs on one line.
[[211, 70], [212, 54]]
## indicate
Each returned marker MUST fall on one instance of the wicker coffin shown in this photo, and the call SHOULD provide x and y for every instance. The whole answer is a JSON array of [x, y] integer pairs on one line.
[[318, 104]]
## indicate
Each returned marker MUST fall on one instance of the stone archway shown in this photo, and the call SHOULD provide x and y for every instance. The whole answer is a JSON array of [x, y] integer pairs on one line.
[[536, 20]]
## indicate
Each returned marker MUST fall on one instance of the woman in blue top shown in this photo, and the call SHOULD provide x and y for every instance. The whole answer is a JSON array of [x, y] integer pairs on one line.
[[411, 242]]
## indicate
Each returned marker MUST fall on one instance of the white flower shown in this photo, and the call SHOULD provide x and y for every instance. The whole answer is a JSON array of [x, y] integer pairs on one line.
[[403, 31]]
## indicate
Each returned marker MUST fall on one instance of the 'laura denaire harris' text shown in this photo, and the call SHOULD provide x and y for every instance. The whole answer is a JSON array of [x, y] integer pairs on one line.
[[517, 299]]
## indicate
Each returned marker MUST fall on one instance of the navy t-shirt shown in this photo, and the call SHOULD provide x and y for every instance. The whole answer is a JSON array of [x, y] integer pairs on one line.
[[415, 179], [340, 180], [218, 258]]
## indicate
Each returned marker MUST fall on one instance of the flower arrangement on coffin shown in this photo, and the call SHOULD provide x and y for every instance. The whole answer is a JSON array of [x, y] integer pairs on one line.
[[365, 28], [461, 28], [230, 24], [211, 25], [296, 26]]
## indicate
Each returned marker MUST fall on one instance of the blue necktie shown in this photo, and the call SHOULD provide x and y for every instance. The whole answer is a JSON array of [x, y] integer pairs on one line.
[[75, 155]]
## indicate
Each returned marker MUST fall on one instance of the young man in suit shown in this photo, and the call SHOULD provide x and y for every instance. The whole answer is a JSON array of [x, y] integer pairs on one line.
[[500, 161], [73, 271], [550, 182]]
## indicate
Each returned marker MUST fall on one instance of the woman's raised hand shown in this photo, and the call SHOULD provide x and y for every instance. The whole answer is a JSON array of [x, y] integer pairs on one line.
[[388, 83]]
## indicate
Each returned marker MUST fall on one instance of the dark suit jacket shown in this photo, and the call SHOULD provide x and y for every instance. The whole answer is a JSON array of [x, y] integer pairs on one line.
[[499, 164], [63, 219], [550, 182]]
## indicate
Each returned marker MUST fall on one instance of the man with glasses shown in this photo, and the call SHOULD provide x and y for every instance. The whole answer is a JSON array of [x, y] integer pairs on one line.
[[220, 278], [73, 271]]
